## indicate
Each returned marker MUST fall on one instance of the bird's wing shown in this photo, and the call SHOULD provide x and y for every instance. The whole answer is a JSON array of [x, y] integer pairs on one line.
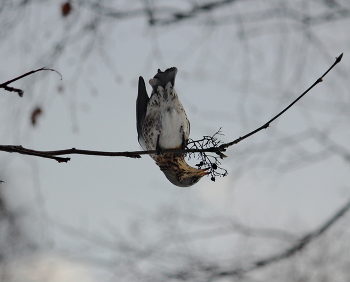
[[141, 105]]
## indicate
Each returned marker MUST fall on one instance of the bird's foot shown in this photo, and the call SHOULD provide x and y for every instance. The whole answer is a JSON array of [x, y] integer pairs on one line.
[[184, 142], [158, 148]]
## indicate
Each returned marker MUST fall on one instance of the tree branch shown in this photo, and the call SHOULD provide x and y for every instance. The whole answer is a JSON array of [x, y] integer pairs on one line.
[[211, 271], [300, 245], [20, 150], [20, 91], [134, 154], [267, 124], [197, 8], [216, 148]]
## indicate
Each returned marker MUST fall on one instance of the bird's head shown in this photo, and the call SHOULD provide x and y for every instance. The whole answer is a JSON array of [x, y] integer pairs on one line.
[[183, 175], [188, 179]]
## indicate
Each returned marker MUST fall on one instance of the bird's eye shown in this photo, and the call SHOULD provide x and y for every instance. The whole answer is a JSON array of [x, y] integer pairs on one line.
[[194, 179]]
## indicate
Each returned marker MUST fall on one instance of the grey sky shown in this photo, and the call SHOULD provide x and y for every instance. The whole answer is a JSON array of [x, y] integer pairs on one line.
[[229, 76]]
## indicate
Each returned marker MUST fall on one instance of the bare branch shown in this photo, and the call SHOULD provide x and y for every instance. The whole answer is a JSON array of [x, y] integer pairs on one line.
[[50, 154], [207, 146], [213, 272], [300, 245], [20, 91], [267, 124], [19, 149], [196, 9]]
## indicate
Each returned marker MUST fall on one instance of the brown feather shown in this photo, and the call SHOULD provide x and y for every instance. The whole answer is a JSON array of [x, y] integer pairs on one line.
[[177, 164]]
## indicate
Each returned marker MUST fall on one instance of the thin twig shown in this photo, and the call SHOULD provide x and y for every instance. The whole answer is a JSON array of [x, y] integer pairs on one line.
[[20, 91], [214, 272], [300, 245], [267, 124], [197, 9], [20, 150]]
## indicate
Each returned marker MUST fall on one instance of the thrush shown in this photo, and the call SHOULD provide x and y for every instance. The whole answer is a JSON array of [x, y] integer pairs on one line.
[[162, 123]]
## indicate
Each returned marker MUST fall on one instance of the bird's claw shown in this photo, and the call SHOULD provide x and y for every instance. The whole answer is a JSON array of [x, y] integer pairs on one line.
[[159, 151], [158, 148], [184, 142]]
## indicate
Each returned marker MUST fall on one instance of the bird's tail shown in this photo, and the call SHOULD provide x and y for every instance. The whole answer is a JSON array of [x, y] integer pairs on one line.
[[163, 77]]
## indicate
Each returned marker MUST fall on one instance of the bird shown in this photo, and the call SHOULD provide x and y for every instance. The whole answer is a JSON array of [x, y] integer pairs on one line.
[[162, 123]]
